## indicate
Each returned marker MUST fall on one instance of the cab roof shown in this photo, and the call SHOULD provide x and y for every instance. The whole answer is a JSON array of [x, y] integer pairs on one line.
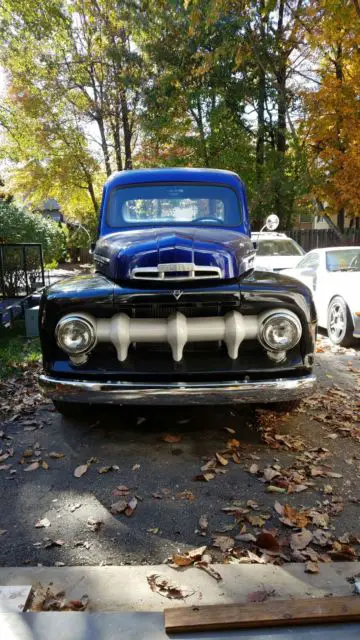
[[141, 176]]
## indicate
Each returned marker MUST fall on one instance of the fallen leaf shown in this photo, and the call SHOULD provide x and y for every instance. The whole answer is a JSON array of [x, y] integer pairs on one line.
[[293, 518], [245, 537], [299, 541], [44, 465], [205, 566], [210, 465], [172, 439], [253, 469], [255, 520], [236, 458], [79, 471], [131, 506], [49, 544], [5, 467], [154, 531], [59, 564], [342, 552], [93, 524], [328, 489], [135, 467], [233, 444], [270, 474], [279, 508], [223, 461], [204, 477], [230, 430], [157, 496], [43, 523], [223, 542], [28, 453], [267, 540], [322, 538], [274, 489], [253, 505], [203, 523], [73, 507], [312, 567], [56, 455], [118, 507], [120, 490], [320, 519], [187, 558], [2, 531], [333, 474], [185, 495], [167, 588]]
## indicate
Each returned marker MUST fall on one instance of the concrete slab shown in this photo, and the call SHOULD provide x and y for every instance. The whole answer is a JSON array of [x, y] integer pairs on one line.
[[138, 626], [14, 598], [126, 588]]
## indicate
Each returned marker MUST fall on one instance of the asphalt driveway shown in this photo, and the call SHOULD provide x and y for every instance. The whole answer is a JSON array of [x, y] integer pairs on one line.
[[181, 478]]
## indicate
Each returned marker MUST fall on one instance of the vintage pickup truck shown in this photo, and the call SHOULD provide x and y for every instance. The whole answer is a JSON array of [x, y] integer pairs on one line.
[[175, 313]]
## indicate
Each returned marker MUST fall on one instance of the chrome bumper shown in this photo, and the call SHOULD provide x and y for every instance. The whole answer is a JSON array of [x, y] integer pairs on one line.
[[175, 393]]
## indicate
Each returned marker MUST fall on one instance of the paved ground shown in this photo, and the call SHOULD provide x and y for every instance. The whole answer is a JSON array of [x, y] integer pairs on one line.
[[161, 475]]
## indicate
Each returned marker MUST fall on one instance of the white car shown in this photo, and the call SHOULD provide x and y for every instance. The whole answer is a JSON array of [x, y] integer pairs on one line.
[[333, 275], [275, 251]]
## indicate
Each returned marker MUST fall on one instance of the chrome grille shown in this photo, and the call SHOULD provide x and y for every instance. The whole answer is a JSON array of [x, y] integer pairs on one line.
[[176, 271]]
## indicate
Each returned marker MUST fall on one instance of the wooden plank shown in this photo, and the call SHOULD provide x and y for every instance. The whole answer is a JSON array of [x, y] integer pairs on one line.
[[272, 613]]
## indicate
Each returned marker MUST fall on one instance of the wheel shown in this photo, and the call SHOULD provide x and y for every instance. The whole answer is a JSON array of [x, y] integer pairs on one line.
[[72, 409], [339, 323]]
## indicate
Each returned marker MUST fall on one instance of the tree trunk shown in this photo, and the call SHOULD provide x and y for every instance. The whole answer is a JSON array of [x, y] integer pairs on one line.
[[91, 191], [115, 126], [126, 130], [260, 127], [340, 144], [104, 144]]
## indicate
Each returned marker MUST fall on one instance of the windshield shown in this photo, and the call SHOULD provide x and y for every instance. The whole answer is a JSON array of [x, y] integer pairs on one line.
[[173, 204], [343, 260], [278, 247]]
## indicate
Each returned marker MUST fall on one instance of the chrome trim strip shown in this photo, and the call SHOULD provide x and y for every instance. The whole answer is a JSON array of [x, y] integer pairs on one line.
[[101, 259], [158, 272], [175, 393]]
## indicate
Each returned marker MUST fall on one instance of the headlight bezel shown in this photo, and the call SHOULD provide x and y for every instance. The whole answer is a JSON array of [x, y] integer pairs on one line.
[[283, 315], [89, 327]]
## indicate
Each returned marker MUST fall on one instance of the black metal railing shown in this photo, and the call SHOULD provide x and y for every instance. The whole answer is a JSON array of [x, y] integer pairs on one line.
[[21, 269]]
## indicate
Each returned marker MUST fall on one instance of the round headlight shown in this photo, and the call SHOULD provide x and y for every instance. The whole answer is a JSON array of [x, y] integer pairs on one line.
[[75, 335], [280, 331]]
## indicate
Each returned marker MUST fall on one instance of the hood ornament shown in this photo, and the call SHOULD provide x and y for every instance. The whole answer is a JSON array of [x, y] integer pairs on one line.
[[177, 294]]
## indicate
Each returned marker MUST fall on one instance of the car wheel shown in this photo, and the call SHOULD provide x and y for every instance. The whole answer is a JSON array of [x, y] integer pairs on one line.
[[72, 410], [339, 323]]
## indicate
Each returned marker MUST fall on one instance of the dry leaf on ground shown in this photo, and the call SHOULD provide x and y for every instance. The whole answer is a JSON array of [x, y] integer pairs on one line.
[[172, 439], [223, 461], [320, 519], [80, 470], [204, 477], [223, 542], [293, 518], [167, 588], [205, 566], [33, 466], [43, 523], [56, 455], [253, 469], [131, 506], [118, 507], [111, 467], [93, 524], [312, 567], [187, 558], [299, 541], [267, 540], [203, 523]]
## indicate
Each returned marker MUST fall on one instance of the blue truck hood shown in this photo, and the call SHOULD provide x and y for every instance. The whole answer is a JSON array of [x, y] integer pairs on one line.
[[122, 255]]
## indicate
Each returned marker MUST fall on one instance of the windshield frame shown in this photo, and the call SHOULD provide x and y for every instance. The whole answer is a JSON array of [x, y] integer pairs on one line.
[[144, 224]]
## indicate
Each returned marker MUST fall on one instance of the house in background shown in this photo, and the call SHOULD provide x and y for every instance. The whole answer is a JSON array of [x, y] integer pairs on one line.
[[51, 209]]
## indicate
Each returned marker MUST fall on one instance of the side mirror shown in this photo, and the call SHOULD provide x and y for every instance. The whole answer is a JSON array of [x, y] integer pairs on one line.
[[272, 222], [92, 247]]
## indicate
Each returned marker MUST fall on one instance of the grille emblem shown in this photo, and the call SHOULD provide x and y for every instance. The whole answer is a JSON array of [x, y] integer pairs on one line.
[[177, 294]]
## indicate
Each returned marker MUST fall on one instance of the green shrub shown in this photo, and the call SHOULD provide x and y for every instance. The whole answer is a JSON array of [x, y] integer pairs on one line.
[[16, 225]]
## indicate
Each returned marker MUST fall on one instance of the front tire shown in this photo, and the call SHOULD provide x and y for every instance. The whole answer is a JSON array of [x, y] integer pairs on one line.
[[339, 323], [72, 410]]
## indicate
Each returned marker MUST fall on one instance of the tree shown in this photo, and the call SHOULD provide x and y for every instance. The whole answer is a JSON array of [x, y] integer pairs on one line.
[[332, 123]]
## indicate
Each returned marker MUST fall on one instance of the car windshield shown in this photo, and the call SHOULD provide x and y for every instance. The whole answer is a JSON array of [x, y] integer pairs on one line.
[[173, 204], [278, 247], [343, 260]]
